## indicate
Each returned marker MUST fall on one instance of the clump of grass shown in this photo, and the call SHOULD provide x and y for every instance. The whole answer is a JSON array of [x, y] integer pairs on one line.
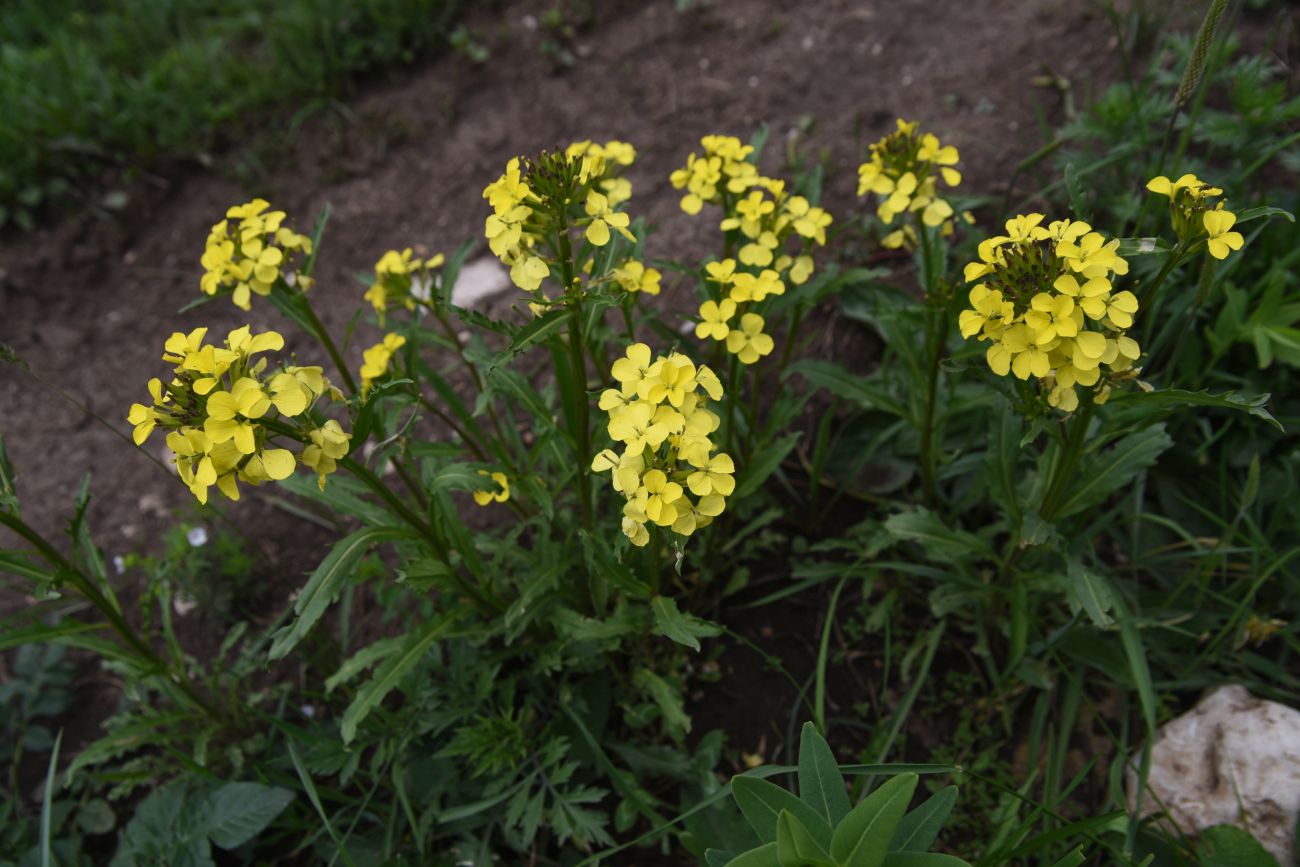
[[133, 80]]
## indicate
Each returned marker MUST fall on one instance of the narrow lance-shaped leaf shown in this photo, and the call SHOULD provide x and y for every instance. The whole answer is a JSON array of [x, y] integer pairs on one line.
[[391, 673], [326, 582]]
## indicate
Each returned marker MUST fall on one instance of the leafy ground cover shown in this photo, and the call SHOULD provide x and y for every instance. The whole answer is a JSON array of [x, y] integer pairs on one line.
[[611, 542]]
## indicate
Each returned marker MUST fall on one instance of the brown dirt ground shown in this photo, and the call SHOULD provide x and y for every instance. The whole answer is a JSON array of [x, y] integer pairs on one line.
[[88, 302]]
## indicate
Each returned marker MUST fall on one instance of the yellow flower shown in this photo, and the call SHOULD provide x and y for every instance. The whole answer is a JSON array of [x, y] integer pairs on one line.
[[748, 343], [603, 218], [249, 251], [634, 276], [231, 413], [499, 495], [1220, 241], [714, 317], [748, 287], [329, 444], [377, 358], [631, 369]]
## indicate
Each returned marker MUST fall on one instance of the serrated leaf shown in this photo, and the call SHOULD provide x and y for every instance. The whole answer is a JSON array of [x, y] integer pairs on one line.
[[795, 845], [1090, 591], [363, 659], [390, 674], [668, 700], [920, 828], [238, 812], [820, 784], [761, 802], [938, 540], [326, 582], [685, 629], [862, 839]]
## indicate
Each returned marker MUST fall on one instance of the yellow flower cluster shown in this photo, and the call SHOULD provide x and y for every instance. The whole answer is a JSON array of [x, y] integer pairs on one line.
[[213, 411], [1044, 301], [1194, 219], [376, 359], [904, 171], [402, 281], [534, 198], [249, 250], [765, 217], [659, 413]]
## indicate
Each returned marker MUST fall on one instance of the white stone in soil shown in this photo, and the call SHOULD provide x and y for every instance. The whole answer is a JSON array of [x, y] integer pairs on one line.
[[478, 281], [1234, 759]]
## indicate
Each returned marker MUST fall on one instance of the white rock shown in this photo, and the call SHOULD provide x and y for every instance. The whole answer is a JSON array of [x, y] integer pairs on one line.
[[479, 280], [1232, 759]]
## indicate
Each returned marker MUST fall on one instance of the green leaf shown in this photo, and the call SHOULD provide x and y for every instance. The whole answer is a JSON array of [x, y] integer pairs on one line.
[[1251, 404], [1091, 592], [668, 700], [866, 392], [685, 629], [238, 812], [718, 858], [1230, 846], [763, 464], [862, 839], [1140, 246], [390, 674], [1248, 214], [538, 330], [325, 584], [938, 541], [795, 845], [920, 828], [762, 802], [602, 563], [1071, 859], [363, 659], [820, 784], [922, 859], [763, 856], [47, 802], [1074, 187], [1106, 473], [39, 633], [1135, 651]]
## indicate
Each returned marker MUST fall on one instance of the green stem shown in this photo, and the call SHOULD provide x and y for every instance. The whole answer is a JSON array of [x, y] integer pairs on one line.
[[119, 624], [425, 530], [1065, 466], [936, 332], [578, 365], [328, 342]]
